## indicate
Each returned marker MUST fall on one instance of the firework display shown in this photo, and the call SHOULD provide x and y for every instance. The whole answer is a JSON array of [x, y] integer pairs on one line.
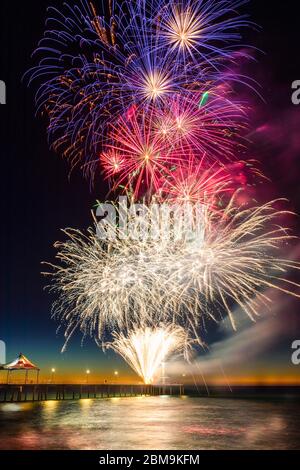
[[100, 61], [145, 93]]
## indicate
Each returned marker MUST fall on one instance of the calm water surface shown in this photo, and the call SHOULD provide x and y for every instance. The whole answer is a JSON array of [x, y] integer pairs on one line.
[[151, 423]]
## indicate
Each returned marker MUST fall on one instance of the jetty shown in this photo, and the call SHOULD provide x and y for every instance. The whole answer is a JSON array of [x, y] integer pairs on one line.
[[42, 392]]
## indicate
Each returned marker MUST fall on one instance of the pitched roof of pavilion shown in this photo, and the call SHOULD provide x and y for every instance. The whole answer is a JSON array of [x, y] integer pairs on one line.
[[21, 363]]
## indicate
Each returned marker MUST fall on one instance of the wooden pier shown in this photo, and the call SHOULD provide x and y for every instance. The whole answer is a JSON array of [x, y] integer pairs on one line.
[[10, 393]]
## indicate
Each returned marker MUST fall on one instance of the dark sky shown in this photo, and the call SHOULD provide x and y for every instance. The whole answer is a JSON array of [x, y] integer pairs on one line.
[[38, 197]]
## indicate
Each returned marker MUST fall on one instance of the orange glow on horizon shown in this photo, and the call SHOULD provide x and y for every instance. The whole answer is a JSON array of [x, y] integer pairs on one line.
[[260, 379]]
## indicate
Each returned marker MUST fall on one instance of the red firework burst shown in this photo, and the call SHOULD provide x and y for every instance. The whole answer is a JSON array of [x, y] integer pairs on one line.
[[112, 163], [192, 182], [205, 123], [143, 157]]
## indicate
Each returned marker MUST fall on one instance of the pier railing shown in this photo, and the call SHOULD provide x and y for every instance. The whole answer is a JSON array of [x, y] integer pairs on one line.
[[43, 392]]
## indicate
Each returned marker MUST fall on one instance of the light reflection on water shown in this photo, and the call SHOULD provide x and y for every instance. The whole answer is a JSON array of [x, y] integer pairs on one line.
[[151, 423]]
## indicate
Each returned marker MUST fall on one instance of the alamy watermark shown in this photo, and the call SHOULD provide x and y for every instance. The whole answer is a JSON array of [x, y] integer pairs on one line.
[[296, 92], [296, 354], [2, 352], [2, 92], [153, 222]]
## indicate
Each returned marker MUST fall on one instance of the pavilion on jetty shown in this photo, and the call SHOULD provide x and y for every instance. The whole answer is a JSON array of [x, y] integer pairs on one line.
[[20, 364]]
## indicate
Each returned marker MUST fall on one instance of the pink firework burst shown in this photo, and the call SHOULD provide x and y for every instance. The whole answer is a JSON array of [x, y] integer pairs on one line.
[[192, 182], [143, 156], [205, 123], [112, 163]]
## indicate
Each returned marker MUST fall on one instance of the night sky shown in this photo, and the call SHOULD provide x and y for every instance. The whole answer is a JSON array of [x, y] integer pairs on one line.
[[39, 197]]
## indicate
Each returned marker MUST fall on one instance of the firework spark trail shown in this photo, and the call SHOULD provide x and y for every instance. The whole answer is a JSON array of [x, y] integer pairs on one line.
[[146, 348], [114, 285], [204, 31], [236, 261], [205, 123], [107, 285], [192, 182], [145, 156]]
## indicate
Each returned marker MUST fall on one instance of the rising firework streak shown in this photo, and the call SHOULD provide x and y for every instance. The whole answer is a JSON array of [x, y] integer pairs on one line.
[[146, 348]]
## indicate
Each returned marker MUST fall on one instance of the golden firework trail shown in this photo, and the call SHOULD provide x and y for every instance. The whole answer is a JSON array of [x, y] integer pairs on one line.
[[146, 348]]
